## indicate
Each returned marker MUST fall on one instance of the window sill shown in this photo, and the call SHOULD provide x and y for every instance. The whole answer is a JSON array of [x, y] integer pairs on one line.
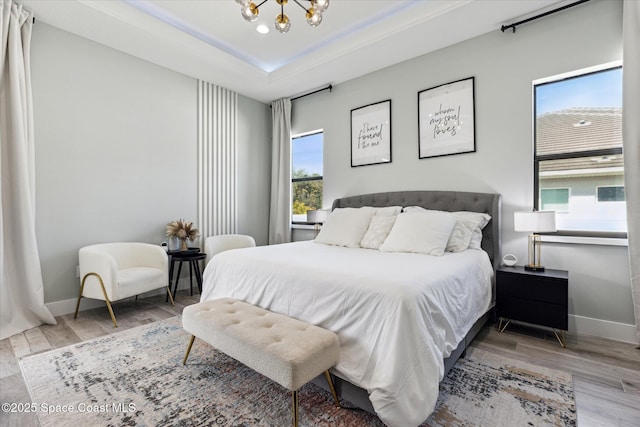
[[298, 226], [581, 240]]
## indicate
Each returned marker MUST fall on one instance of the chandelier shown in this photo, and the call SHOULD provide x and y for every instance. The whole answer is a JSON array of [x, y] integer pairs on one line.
[[313, 13]]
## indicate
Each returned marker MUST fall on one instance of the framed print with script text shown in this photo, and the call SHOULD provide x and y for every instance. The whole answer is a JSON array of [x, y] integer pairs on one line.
[[371, 134], [446, 119]]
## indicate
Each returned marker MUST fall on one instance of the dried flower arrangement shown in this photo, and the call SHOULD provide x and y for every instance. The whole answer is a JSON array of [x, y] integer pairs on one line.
[[182, 230]]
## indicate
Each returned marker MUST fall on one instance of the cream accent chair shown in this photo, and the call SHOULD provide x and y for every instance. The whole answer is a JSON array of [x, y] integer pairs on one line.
[[113, 271], [223, 242]]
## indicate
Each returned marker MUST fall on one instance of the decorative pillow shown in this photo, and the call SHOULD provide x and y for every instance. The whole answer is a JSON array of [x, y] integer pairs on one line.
[[386, 211], [420, 232], [345, 227], [482, 219], [467, 232], [461, 235], [476, 240], [378, 230]]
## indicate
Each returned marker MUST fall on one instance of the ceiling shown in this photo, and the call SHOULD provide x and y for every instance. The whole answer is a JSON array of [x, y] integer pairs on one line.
[[209, 39]]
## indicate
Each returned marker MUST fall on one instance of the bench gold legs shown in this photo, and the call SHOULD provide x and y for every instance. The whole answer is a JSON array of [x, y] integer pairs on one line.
[[295, 398], [294, 393], [186, 355], [294, 407], [327, 375]]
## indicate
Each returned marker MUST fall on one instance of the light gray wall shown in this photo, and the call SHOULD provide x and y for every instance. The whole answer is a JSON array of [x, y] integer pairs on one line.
[[504, 66], [254, 168], [116, 152]]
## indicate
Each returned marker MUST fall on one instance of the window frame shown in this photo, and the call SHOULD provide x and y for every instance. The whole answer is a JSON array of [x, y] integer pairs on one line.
[[537, 159], [313, 178]]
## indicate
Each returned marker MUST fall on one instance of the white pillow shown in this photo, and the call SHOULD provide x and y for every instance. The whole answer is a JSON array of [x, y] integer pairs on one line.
[[467, 232], [386, 211], [417, 209], [461, 235], [378, 230], [482, 220], [345, 227], [420, 232]]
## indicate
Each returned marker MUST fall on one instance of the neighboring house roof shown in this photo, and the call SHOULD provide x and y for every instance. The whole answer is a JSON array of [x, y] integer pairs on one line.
[[580, 129]]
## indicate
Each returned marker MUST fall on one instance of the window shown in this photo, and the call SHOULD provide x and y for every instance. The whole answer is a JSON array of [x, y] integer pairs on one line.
[[306, 175], [578, 159], [554, 199], [611, 194]]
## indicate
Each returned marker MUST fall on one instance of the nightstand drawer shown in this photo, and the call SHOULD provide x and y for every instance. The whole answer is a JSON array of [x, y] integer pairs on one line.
[[533, 287], [537, 312]]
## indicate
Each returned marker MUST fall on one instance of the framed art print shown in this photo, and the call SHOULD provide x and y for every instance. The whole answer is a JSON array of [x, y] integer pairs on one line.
[[446, 119], [371, 134]]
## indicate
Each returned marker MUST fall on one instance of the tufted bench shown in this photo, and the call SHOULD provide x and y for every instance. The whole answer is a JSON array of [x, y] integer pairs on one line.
[[286, 350]]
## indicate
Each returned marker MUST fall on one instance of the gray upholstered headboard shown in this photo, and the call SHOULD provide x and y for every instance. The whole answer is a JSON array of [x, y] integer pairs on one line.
[[450, 201]]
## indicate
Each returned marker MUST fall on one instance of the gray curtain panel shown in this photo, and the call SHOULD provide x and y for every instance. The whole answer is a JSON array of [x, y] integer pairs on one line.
[[279, 212]]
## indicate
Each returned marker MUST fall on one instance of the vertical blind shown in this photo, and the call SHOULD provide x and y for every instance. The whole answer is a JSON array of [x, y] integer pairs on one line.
[[217, 169]]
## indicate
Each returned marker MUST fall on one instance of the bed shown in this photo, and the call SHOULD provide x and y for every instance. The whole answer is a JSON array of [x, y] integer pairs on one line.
[[403, 318]]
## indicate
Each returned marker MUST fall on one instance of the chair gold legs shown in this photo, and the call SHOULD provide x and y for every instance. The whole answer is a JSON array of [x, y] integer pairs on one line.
[[170, 296], [186, 355], [104, 292], [113, 317], [106, 298], [294, 407], [327, 375]]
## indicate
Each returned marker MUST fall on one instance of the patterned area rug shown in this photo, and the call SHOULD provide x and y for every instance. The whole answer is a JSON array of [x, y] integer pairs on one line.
[[136, 378]]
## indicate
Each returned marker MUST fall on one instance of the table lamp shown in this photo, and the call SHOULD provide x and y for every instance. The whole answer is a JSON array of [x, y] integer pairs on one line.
[[534, 222], [317, 217]]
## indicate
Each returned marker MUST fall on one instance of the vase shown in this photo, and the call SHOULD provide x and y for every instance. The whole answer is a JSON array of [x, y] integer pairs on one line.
[[174, 243], [183, 245]]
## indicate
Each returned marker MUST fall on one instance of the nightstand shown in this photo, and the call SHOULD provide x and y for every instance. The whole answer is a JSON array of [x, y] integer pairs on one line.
[[541, 298]]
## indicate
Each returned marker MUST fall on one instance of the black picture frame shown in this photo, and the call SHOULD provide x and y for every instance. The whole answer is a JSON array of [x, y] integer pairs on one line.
[[446, 119], [371, 134]]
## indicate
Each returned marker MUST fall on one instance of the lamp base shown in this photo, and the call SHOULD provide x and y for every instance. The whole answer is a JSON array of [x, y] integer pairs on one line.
[[534, 268]]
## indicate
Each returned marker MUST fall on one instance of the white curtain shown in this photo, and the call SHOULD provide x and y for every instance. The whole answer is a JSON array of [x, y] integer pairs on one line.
[[279, 212], [631, 141], [21, 288]]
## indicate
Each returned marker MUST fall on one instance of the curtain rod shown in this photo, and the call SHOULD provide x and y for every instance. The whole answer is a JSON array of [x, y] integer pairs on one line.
[[330, 87], [515, 24]]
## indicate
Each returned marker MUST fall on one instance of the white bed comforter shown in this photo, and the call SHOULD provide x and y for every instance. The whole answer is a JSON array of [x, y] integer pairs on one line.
[[397, 314]]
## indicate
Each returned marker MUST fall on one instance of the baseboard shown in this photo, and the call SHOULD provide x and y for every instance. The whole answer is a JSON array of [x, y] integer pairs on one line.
[[578, 324], [603, 328], [59, 308]]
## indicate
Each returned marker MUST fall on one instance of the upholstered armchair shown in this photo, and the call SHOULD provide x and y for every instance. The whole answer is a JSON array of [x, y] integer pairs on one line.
[[224, 242], [113, 271]]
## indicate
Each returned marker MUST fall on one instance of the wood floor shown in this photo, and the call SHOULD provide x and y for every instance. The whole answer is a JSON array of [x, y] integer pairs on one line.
[[606, 374]]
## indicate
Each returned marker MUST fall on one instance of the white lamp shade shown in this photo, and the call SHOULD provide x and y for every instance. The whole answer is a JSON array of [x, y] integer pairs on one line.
[[317, 217], [535, 221]]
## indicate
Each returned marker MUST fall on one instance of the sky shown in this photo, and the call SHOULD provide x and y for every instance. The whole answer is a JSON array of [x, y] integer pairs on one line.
[[600, 89], [307, 153]]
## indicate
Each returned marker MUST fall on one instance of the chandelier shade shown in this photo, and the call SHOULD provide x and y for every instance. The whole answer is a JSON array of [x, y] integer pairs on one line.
[[313, 12]]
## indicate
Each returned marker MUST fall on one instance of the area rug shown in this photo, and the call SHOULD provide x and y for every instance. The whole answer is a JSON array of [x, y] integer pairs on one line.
[[136, 378]]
